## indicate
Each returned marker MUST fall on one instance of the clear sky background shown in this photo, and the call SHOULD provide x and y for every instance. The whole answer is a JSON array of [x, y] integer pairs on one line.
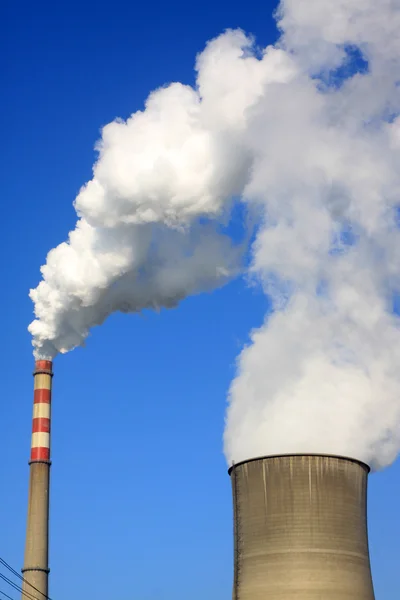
[[141, 500]]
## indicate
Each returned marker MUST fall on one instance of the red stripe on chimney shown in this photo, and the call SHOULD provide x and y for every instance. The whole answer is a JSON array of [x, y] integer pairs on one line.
[[40, 453], [43, 365], [42, 395], [41, 424]]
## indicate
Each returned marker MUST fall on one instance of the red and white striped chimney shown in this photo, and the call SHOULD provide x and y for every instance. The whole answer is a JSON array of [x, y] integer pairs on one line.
[[36, 562], [40, 446]]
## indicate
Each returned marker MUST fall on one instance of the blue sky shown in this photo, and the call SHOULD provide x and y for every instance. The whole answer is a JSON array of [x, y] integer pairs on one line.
[[141, 501]]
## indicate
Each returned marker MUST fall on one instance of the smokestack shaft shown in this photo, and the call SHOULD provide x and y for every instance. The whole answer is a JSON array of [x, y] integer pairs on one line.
[[36, 562], [300, 529]]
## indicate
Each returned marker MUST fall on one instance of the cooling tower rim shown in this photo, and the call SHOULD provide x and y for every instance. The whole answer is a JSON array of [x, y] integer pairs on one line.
[[304, 454]]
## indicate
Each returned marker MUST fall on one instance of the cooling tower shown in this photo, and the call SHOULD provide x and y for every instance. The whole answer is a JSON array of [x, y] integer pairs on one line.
[[300, 529], [36, 563]]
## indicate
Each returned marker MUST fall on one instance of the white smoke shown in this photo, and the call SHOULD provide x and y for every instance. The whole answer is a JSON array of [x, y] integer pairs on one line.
[[140, 240], [308, 134]]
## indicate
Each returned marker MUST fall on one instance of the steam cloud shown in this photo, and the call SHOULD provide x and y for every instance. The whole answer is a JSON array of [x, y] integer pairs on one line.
[[307, 133]]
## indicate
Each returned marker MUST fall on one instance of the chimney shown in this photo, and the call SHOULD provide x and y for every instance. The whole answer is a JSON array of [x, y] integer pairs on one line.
[[300, 529], [36, 562]]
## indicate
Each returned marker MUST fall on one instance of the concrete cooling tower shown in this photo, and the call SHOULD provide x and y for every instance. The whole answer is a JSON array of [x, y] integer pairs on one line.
[[300, 529]]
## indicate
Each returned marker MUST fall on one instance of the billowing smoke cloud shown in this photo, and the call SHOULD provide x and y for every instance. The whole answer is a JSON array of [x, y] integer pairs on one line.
[[307, 133], [149, 228]]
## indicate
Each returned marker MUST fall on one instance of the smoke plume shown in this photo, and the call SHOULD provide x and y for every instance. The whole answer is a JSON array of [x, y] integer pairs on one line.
[[307, 134]]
